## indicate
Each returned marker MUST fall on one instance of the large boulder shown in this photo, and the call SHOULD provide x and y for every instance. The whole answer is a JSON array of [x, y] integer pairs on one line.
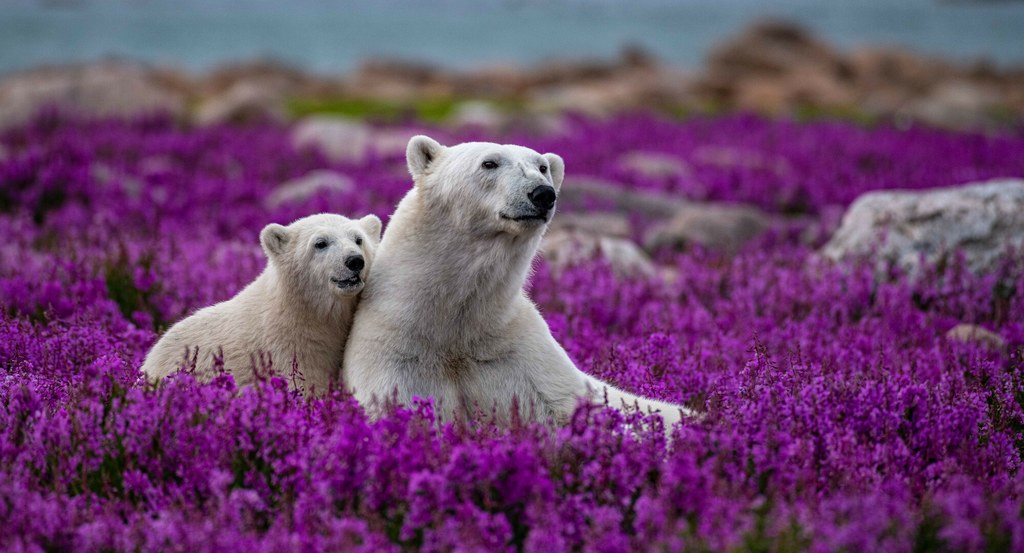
[[398, 81], [727, 157], [628, 88], [270, 75], [584, 193], [480, 114], [105, 89], [774, 66], [302, 188], [615, 225], [974, 334], [566, 247], [245, 102], [654, 165], [772, 47], [340, 140], [717, 226], [576, 238], [675, 222], [390, 142], [348, 141], [959, 104], [980, 220]]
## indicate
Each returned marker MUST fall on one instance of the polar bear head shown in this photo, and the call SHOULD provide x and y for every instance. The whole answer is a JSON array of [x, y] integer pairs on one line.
[[486, 188], [325, 256]]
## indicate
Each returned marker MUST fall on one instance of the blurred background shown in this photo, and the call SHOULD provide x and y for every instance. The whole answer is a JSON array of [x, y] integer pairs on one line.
[[949, 63]]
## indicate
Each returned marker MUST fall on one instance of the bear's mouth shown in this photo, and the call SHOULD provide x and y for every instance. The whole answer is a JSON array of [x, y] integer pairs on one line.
[[345, 283], [523, 218]]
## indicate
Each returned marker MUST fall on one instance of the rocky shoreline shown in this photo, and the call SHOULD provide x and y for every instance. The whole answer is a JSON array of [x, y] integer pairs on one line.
[[774, 68]]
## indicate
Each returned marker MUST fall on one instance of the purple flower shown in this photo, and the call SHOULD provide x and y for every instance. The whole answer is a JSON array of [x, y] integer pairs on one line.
[[836, 414]]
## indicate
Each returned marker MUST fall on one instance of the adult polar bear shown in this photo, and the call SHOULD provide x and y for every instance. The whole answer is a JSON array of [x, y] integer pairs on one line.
[[299, 309], [445, 315]]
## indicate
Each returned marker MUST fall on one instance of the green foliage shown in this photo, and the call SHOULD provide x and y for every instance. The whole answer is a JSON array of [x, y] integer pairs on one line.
[[433, 110]]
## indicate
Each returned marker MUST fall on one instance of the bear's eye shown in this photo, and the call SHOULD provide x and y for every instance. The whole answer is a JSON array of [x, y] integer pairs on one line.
[[543, 169], [490, 164], [359, 240], [320, 244]]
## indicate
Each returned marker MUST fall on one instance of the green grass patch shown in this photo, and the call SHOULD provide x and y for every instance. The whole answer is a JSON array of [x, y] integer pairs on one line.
[[433, 110]]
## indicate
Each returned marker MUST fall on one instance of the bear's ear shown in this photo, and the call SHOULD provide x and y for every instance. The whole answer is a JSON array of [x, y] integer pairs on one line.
[[557, 167], [274, 238], [421, 152], [371, 224]]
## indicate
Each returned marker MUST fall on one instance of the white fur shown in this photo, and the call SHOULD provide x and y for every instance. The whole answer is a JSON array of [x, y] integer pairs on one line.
[[292, 313], [445, 315]]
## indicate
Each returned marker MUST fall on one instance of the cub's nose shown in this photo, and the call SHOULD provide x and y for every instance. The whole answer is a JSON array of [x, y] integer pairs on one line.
[[355, 263], [543, 197]]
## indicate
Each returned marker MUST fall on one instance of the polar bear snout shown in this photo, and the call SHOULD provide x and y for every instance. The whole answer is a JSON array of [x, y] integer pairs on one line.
[[355, 263], [350, 276], [532, 211], [543, 198]]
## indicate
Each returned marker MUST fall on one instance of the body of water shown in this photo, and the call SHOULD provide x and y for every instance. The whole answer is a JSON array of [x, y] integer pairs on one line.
[[330, 36]]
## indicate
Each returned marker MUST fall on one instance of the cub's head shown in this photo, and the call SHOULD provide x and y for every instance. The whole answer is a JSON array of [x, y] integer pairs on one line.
[[326, 256], [482, 187]]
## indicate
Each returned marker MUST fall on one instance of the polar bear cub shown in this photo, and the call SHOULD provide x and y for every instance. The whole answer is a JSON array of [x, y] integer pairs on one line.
[[445, 315], [299, 310]]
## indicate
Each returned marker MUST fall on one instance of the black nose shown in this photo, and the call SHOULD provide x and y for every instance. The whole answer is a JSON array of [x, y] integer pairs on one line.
[[543, 197], [355, 263]]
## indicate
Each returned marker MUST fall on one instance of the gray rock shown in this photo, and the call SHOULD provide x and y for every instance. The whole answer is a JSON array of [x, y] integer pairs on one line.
[[770, 48], [345, 140], [243, 102], [728, 157], [654, 165], [722, 227], [614, 225], [563, 248], [304, 187], [574, 238], [957, 105], [588, 193], [968, 333], [981, 220], [100, 89], [477, 113], [341, 140], [719, 226], [390, 142]]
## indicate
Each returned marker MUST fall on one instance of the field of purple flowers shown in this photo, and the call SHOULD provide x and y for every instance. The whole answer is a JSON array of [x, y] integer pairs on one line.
[[838, 417]]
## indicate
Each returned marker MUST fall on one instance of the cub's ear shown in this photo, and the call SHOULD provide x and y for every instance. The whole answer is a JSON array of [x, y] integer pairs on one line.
[[371, 224], [274, 238], [420, 153], [557, 167]]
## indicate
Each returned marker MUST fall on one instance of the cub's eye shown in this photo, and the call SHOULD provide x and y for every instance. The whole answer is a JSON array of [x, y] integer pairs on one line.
[[490, 164], [543, 169], [320, 244], [359, 240]]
